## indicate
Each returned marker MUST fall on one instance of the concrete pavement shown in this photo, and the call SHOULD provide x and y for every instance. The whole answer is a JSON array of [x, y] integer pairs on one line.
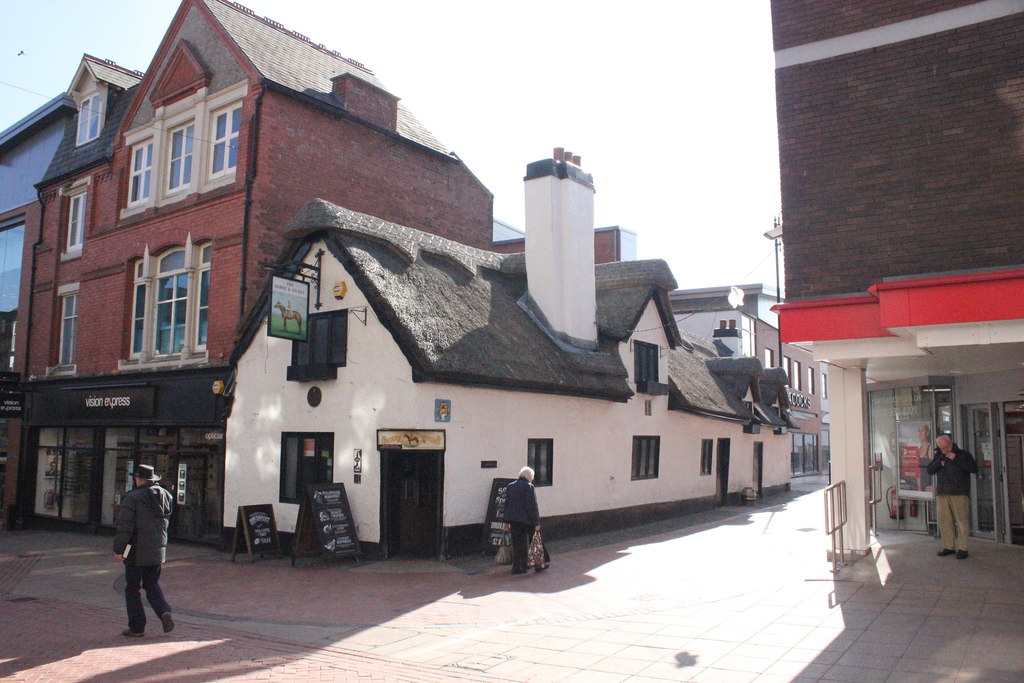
[[735, 594]]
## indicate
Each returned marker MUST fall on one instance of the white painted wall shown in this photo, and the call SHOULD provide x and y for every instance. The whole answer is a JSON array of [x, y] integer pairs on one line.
[[592, 438]]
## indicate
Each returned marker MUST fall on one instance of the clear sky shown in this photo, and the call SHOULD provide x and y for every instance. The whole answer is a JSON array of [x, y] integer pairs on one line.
[[670, 103]]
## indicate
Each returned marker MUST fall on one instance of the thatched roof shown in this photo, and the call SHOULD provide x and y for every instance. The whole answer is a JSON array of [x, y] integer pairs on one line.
[[737, 388], [458, 314]]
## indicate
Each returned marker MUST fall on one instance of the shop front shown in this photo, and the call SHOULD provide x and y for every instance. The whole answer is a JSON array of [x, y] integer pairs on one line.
[[84, 441]]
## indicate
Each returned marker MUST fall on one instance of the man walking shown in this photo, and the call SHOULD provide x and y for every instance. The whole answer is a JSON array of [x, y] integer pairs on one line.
[[953, 467], [141, 543]]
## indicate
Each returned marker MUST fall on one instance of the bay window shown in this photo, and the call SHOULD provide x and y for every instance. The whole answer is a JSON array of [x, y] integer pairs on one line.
[[179, 172], [171, 303]]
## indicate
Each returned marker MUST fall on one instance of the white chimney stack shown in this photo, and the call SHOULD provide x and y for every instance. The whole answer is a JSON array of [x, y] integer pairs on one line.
[[560, 247]]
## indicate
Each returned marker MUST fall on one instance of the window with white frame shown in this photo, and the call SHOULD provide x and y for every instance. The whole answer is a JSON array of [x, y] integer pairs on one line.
[[179, 169], [170, 312], [748, 337], [76, 221], [142, 173], [68, 327], [224, 155], [90, 119]]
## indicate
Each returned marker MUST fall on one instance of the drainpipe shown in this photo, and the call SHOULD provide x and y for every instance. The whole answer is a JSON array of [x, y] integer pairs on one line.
[[250, 178]]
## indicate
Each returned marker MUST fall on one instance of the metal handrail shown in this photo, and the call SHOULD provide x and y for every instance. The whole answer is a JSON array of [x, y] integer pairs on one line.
[[875, 484], [835, 520]]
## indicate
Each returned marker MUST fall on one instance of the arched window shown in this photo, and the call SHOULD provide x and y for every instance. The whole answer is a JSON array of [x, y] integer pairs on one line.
[[170, 310]]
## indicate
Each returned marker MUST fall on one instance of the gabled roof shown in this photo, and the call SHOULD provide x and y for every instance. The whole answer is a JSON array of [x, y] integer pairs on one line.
[[108, 72], [293, 61]]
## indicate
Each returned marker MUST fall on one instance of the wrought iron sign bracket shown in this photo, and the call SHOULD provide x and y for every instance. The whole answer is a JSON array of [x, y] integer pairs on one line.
[[304, 271]]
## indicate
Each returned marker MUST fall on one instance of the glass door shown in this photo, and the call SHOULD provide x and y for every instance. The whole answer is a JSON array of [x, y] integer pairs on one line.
[[986, 501]]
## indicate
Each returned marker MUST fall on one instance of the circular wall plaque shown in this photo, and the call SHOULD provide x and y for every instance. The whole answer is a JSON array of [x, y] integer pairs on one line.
[[313, 396]]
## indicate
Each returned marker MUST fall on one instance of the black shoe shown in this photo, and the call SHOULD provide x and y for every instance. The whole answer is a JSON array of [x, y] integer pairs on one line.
[[540, 569], [167, 621], [132, 634], [946, 551], [518, 571], [961, 554]]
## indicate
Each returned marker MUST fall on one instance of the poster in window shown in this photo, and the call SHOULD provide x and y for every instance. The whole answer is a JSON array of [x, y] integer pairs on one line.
[[289, 309], [915, 452]]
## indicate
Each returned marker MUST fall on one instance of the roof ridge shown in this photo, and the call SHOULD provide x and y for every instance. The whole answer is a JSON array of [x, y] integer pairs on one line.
[[294, 34], [114, 65]]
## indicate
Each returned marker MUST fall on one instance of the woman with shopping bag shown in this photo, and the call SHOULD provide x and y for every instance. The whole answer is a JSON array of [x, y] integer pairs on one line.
[[523, 518]]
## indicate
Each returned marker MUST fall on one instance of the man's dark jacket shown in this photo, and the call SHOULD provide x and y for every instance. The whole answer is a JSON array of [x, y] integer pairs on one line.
[[142, 522], [953, 478], [521, 503]]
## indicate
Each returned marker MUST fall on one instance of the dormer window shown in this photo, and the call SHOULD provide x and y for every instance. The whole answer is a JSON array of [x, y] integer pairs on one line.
[[179, 173], [90, 118], [645, 369]]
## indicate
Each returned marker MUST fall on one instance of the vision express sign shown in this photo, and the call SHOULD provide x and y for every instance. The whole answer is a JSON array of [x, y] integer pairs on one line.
[[117, 402]]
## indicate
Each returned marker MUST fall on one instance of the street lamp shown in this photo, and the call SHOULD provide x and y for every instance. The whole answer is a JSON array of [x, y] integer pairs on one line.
[[776, 234]]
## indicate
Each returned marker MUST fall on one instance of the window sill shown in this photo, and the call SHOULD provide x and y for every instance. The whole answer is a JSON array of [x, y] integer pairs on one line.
[[62, 370], [651, 388], [311, 373], [174, 360], [71, 255]]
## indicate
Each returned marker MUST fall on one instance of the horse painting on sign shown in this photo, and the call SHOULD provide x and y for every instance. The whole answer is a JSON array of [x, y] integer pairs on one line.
[[288, 314]]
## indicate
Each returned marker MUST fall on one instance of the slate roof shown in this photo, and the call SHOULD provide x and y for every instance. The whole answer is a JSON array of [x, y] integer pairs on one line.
[[293, 61], [456, 312]]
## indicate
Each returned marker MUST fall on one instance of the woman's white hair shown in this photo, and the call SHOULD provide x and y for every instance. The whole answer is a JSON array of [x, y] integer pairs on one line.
[[526, 472]]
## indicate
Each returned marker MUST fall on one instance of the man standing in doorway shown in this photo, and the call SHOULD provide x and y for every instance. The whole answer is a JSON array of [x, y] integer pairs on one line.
[[953, 467], [141, 543]]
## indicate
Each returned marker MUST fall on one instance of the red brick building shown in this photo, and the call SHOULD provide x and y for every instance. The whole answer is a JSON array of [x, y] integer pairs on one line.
[[901, 137], [167, 194]]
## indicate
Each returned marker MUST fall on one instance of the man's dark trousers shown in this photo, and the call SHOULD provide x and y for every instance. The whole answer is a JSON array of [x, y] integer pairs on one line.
[[148, 578]]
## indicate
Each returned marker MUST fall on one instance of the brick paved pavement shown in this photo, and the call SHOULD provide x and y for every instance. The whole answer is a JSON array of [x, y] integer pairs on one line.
[[740, 594]]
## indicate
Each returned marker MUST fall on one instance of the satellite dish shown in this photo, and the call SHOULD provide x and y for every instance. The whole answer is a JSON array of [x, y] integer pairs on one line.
[[735, 296]]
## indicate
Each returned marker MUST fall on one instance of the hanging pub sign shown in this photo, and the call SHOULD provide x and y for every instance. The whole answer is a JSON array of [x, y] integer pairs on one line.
[[255, 531], [289, 309], [410, 439], [325, 525]]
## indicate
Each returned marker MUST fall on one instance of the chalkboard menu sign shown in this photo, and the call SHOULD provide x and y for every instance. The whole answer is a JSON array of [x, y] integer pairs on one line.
[[325, 523], [255, 531], [495, 512]]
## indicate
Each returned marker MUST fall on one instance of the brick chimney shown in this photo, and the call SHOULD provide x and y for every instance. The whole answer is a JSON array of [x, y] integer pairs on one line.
[[560, 247], [366, 101]]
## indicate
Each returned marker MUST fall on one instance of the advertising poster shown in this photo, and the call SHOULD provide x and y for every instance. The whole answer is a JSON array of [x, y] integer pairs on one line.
[[915, 452]]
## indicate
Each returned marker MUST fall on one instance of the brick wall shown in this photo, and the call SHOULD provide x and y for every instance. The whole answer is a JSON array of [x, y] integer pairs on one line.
[[303, 153], [796, 22], [903, 160], [607, 248]]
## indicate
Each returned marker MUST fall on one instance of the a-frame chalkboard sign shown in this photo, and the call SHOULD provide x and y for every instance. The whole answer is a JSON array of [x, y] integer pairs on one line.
[[493, 522], [325, 525], [256, 532]]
